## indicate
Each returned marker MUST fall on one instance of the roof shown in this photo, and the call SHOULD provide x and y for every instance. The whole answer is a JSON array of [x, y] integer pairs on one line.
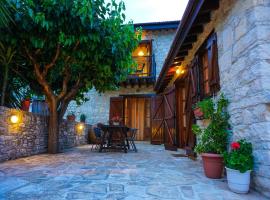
[[158, 25], [197, 13]]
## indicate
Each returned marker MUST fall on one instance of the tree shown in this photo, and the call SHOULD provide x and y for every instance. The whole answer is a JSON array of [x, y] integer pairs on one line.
[[5, 17], [69, 47]]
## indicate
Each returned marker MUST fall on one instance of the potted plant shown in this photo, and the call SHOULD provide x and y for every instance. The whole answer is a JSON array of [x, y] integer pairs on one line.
[[71, 116], [83, 118], [203, 109], [26, 103], [116, 120], [239, 163], [212, 140]]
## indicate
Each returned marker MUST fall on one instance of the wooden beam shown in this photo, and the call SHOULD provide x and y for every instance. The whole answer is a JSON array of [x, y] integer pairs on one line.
[[186, 47], [195, 30], [182, 53], [202, 19], [190, 39], [209, 6]]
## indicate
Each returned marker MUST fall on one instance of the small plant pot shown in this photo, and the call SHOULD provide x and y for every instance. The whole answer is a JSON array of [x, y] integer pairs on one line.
[[198, 113], [238, 182], [213, 165], [71, 118], [26, 104]]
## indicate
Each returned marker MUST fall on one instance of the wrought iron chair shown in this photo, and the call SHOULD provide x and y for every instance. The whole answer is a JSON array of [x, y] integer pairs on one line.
[[131, 138], [98, 138]]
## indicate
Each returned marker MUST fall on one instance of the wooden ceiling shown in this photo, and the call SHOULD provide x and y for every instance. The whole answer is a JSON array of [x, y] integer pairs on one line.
[[197, 14]]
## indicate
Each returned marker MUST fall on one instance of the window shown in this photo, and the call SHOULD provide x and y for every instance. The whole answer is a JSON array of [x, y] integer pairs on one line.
[[208, 67], [143, 56]]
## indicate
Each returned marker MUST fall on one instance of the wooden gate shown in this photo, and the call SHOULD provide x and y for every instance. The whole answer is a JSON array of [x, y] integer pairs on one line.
[[157, 119], [181, 117], [169, 120], [116, 107]]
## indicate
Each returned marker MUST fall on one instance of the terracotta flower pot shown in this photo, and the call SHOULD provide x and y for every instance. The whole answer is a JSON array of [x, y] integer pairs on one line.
[[71, 117], [213, 165], [26, 104], [198, 113]]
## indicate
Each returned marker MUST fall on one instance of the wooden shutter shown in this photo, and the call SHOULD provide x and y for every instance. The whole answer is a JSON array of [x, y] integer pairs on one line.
[[194, 74], [116, 107], [189, 140], [214, 80], [169, 120], [157, 117]]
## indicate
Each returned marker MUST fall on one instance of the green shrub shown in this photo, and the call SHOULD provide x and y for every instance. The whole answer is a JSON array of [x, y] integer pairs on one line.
[[213, 139]]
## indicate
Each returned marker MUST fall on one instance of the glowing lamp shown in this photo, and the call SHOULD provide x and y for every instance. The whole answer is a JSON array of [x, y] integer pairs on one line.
[[140, 53], [14, 119], [80, 127], [180, 71]]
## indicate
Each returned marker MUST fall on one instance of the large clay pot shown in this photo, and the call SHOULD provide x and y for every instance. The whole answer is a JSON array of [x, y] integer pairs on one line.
[[213, 165], [26, 104], [198, 113], [238, 182]]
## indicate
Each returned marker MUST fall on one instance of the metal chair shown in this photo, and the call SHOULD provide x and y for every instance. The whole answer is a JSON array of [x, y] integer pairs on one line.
[[131, 138], [98, 138]]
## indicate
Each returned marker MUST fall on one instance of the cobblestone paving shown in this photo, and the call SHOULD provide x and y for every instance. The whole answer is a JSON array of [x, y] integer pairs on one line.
[[151, 174]]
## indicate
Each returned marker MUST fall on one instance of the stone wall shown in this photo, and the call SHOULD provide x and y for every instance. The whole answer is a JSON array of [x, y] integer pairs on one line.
[[98, 107], [243, 33], [30, 135], [161, 42]]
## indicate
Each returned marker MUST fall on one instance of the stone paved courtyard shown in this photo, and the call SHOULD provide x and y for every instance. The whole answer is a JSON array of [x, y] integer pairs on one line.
[[152, 174]]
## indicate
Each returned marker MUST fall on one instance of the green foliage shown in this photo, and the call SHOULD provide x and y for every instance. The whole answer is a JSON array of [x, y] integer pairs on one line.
[[207, 107], [5, 8], [12, 87], [241, 158], [95, 44], [82, 117], [213, 138]]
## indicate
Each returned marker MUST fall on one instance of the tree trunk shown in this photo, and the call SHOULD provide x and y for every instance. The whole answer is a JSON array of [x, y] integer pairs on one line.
[[53, 129], [4, 86]]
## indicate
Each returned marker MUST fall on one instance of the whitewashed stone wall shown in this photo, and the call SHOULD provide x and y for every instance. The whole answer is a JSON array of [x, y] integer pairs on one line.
[[161, 42], [243, 32], [30, 135], [98, 107]]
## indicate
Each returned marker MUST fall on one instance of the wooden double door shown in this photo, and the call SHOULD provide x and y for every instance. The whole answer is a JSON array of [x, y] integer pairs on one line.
[[172, 118], [135, 112]]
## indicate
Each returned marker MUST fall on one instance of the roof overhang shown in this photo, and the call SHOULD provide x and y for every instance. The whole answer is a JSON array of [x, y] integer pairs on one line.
[[158, 25], [196, 15]]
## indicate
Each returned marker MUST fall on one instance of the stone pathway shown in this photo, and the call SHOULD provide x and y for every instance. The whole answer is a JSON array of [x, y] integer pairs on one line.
[[151, 174]]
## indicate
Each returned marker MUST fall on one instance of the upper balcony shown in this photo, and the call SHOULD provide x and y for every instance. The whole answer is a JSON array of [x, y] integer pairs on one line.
[[145, 73]]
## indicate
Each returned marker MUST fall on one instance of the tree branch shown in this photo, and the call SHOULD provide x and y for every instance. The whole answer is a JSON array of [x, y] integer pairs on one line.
[[40, 77], [64, 85], [50, 65]]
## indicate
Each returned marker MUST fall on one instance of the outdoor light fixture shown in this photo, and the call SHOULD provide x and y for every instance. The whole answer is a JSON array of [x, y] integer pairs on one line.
[[80, 127], [140, 53], [180, 70], [14, 119]]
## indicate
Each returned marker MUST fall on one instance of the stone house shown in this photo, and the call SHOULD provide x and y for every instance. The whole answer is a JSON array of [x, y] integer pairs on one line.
[[134, 94], [220, 46]]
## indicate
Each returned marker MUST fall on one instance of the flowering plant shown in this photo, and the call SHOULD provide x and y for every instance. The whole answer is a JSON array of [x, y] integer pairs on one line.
[[116, 118], [240, 157], [213, 138]]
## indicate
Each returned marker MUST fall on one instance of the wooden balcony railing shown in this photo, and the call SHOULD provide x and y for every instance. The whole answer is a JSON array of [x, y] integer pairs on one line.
[[145, 73]]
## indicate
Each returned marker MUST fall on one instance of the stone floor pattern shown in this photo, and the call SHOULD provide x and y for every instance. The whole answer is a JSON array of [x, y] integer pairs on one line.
[[152, 174]]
